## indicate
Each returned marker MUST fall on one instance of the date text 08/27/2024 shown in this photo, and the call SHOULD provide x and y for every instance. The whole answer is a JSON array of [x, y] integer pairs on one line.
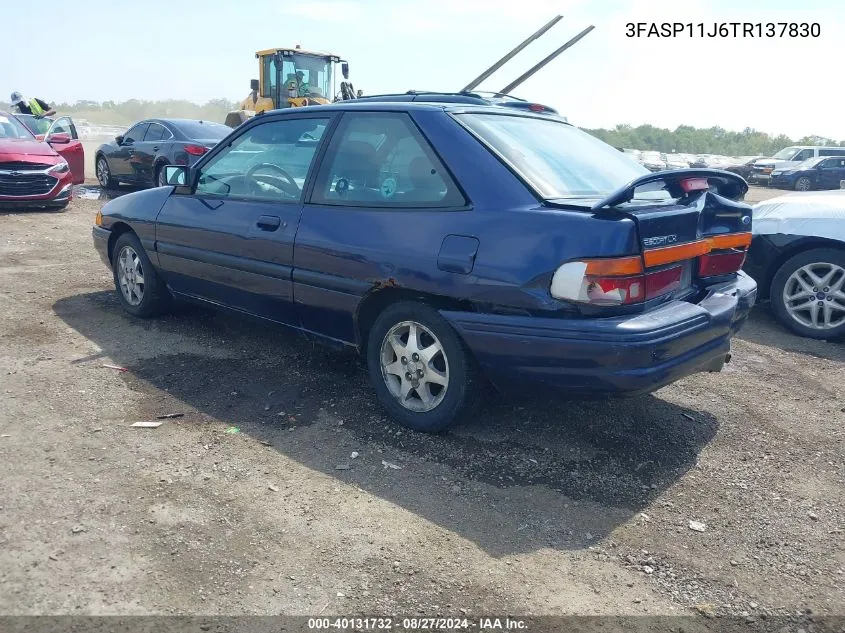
[[723, 29]]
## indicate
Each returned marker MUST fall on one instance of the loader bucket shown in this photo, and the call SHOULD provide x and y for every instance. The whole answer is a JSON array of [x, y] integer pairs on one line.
[[237, 117]]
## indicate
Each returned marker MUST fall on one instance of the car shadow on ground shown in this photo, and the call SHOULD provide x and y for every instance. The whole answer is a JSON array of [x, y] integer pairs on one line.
[[763, 329], [570, 471]]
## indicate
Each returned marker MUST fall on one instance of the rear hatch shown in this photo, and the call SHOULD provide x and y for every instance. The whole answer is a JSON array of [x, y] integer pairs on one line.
[[693, 232]]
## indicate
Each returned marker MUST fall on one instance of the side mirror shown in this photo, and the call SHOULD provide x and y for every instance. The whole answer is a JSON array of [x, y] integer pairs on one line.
[[59, 137], [176, 175], [344, 68], [119, 139], [253, 84]]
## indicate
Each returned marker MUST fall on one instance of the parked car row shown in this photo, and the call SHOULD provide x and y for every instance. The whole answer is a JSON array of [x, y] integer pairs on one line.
[[802, 168]]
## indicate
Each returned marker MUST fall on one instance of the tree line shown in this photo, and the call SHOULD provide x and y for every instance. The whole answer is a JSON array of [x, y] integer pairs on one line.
[[684, 138], [713, 140]]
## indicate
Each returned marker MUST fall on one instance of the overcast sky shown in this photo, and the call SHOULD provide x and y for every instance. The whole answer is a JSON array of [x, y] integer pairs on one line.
[[200, 50]]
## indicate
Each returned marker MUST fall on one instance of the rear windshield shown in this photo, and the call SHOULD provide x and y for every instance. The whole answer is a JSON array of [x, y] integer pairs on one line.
[[205, 130], [556, 159]]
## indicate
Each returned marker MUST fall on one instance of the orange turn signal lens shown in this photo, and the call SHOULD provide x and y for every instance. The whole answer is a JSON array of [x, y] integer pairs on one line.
[[617, 266], [99, 219], [670, 254], [731, 240]]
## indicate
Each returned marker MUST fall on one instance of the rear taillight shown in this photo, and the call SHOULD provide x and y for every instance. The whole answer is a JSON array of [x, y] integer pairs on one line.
[[724, 263], [196, 150], [660, 271], [620, 281], [694, 184]]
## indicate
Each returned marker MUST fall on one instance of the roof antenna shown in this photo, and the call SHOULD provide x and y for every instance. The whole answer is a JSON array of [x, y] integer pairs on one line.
[[516, 82], [475, 82]]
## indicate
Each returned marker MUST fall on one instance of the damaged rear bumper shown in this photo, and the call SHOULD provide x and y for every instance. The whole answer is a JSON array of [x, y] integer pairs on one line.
[[622, 355]]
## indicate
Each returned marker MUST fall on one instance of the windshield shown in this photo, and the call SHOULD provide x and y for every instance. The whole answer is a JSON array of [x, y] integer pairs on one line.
[[36, 126], [787, 153], [10, 127], [556, 159], [312, 76], [204, 130]]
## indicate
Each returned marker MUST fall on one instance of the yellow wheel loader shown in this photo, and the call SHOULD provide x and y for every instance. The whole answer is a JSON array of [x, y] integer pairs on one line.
[[292, 78]]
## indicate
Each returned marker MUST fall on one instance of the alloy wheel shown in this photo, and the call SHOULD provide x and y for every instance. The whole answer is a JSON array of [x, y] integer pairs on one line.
[[102, 172], [414, 366], [814, 295], [130, 275]]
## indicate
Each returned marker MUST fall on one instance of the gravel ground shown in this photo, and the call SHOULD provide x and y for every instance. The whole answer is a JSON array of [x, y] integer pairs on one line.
[[251, 502]]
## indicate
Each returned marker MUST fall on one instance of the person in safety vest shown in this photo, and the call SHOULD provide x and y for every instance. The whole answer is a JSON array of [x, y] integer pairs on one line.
[[36, 107]]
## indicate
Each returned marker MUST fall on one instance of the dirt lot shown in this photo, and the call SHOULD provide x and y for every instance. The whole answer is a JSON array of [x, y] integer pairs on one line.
[[252, 503]]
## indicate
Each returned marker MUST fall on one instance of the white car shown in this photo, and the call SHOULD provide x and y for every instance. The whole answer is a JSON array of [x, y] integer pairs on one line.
[[797, 258]]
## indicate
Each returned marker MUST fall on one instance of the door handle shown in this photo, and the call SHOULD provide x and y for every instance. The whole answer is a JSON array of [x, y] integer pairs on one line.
[[269, 222], [155, 148]]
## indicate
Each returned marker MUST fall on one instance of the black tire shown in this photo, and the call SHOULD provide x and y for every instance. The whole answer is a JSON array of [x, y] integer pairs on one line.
[[103, 172], [803, 184], [819, 256], [154, 297], [465, 385], [160, 175]]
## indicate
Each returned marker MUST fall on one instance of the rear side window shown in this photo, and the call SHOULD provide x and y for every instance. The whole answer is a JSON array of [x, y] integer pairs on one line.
[[154, 132], [136, 134], [556, 159], [380, 159], [832, 152]]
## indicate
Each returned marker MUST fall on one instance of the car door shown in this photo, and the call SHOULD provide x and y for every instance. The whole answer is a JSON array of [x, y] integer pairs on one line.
[[376, 214], [828, 173], [63, 138], [229, 237], [122, 161], [145, 152]]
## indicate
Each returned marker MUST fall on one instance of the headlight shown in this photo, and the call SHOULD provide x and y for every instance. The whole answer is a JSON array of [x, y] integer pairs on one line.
[[59, 168], [776, 173]]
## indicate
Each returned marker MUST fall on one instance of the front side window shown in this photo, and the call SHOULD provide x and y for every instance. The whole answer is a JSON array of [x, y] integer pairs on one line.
[[269, 69], [804, 155], [382, 160], [556, 159], [270, 161]]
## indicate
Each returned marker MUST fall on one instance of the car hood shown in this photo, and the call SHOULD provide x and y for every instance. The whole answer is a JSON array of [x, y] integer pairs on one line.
[[22, 147], [769, 162], [812, 214]]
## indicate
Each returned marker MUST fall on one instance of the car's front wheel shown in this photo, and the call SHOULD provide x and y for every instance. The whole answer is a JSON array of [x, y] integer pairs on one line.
[[423, 374], [803, 184], [104, 176], [140, 289], [808, 293]]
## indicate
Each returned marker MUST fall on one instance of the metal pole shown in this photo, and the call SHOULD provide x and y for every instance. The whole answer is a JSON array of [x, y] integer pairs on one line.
[[539, 65], [475, 82]]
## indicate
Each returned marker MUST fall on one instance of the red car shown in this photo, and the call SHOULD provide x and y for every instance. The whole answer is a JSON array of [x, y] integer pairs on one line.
[[36, 173]]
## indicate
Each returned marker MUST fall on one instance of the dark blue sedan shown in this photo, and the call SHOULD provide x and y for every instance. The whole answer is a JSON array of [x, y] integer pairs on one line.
[[816, 173], [453, 246]]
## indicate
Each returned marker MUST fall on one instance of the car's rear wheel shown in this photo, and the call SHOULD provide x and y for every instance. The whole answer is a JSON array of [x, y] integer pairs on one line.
[[423, 374], [808, 293], [803, 184], [140, 289], [161, 177], [104, 176]]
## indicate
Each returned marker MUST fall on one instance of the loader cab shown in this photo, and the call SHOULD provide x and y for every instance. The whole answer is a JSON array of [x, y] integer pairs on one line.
[[294, 78]]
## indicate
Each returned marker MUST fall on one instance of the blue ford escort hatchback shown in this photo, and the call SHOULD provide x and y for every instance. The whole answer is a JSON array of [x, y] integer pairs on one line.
[[454, 246]]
